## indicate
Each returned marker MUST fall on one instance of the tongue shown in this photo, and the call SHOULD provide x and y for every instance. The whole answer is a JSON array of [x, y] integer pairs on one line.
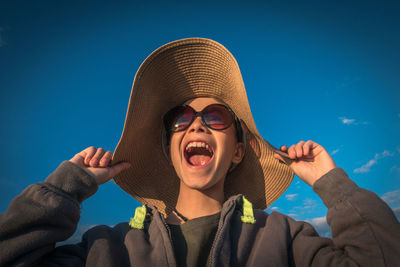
[[199, 160]]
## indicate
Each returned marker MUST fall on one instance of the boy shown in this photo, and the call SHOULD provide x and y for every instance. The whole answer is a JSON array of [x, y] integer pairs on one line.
[[188, 151]]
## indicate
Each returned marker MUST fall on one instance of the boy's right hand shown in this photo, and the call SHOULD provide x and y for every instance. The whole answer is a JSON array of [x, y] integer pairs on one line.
[[96, 163]]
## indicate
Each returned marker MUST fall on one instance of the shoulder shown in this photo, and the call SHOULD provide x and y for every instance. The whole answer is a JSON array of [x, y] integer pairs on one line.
[[276, 221], [263, 215], [107, 232]]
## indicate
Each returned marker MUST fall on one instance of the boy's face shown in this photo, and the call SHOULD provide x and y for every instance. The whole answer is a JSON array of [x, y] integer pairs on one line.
[[198, 168]]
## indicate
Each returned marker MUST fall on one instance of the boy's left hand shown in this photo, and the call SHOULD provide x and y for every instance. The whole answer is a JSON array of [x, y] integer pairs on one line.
[[308, 160]]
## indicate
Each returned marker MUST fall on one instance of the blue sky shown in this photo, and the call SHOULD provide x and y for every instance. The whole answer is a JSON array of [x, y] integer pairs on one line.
[[328, 71]]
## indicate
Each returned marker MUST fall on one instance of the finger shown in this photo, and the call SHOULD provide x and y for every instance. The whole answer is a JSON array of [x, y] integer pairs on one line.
[[307, 147], [105, 159], [299, 149], [282, 153], [89, 153], [284, 148], [292, 151], [284, 158], [77, 159], [96, 158], [117, 168]]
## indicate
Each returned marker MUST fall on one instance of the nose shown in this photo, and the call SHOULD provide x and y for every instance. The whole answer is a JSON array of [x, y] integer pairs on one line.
[[197, 125]]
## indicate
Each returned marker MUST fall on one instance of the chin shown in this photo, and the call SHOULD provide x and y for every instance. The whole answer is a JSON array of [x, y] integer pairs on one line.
[[200, 181], [197, 183]]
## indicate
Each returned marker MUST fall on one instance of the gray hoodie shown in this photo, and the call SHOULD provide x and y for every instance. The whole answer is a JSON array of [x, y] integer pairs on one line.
[[365, 231]]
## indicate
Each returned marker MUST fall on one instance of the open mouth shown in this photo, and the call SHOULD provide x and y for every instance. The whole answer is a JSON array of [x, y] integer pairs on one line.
[[198, 154]]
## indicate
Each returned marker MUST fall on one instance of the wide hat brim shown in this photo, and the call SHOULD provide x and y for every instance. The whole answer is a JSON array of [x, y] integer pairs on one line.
[[171, 75]]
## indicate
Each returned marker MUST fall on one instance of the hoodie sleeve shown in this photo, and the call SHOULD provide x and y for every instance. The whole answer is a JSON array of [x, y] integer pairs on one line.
[[365, 231], [43, 214]]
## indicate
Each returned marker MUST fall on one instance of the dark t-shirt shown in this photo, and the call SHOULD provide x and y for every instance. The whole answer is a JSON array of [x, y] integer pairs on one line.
[[193, 239]]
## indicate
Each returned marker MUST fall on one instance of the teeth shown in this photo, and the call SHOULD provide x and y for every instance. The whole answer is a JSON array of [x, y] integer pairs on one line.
[[198, 144]]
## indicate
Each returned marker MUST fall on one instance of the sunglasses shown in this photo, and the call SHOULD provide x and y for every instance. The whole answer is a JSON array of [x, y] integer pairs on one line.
[[215, 116]]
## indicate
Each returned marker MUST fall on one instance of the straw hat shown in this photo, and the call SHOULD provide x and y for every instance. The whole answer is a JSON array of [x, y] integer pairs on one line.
[[171, 75]]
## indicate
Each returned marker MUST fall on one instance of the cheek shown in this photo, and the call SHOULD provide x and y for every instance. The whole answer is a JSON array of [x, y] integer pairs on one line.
[[228, 143], [174, 148]]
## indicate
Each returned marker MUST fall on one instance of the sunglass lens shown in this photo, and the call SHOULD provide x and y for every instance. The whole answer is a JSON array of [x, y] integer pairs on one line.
[[181, 118], [217, 117]]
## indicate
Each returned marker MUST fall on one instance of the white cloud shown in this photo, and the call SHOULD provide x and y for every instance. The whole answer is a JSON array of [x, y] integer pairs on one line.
[[309, 203], [348, 121], [291, 197], [335, 151], [392, 197], [270, 209], [367, 167], [307, 206], [321, 226], [386, 153]]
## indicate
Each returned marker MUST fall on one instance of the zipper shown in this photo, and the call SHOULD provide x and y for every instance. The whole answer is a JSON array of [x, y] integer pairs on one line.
[[169, 235], [168, 230]]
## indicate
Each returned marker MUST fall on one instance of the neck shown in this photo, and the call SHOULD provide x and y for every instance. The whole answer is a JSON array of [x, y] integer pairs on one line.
[[194, 203]]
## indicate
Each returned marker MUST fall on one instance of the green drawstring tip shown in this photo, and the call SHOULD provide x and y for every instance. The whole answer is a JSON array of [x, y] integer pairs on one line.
[[248, 215], [137, 221]]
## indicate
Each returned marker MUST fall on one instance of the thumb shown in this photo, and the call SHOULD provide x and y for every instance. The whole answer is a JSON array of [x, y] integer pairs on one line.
[[119, 167]]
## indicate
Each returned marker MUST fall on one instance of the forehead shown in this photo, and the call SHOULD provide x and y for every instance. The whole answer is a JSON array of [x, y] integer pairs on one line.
[[201, 102]]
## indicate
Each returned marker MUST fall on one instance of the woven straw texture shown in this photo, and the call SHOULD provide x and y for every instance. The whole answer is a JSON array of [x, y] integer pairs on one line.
[[171, 75]]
